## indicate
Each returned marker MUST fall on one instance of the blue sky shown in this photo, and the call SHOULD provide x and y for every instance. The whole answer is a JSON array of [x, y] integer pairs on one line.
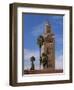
[[33, 26]]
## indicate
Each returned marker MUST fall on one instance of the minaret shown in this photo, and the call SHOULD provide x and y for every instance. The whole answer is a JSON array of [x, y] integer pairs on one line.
[[49, 45]]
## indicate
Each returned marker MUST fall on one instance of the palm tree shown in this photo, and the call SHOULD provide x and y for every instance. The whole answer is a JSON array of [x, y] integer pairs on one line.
[[40, 41], [32, 62]]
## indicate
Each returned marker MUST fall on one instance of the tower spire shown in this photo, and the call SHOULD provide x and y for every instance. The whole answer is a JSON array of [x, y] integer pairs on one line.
[[47, 27]]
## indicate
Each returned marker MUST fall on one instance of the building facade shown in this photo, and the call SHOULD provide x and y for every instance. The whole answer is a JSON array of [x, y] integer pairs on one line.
[[49, 46]]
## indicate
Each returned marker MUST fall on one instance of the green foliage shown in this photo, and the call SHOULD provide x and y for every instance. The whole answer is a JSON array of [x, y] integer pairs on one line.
[[40, 41], [32, 58], [44, 59]]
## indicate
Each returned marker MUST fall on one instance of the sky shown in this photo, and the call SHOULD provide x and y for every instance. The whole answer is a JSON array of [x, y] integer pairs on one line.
[[33, 26]]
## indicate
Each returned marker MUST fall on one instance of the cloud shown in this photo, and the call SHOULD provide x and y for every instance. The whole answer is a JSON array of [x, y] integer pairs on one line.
[[27, 55], [38, 30], [59, 62]]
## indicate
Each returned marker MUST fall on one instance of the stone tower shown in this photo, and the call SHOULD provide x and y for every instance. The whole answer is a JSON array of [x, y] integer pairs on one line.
[[49, 45]]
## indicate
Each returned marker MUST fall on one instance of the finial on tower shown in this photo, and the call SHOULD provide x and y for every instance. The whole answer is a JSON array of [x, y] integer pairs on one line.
[[47, 23]]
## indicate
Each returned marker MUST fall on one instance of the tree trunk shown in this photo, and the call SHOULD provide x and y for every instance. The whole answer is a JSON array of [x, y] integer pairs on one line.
[[40, 57]]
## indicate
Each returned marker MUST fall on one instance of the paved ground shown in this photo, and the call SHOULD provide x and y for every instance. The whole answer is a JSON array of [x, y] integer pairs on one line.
[[42, 71]]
